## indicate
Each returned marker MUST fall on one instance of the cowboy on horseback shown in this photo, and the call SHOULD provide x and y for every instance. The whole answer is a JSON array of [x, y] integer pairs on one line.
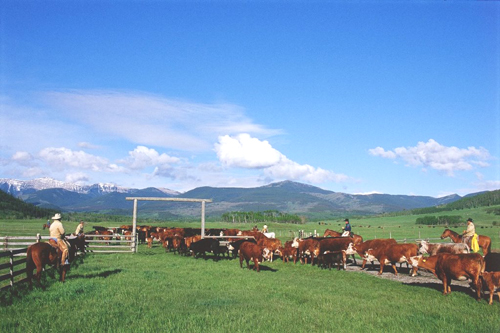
[[79, 229], [57, 235], [469, 232], [347, 232]]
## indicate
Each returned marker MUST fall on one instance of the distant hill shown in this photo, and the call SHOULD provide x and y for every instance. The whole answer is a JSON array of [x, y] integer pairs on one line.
[[287, 196], [13, 208]]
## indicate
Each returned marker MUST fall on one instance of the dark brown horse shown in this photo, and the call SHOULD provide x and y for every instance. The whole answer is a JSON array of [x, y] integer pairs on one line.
[[484, 241], [46, 226], [41, 254]]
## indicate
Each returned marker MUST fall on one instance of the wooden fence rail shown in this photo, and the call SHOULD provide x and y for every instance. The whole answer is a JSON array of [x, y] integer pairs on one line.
[[13, 262]]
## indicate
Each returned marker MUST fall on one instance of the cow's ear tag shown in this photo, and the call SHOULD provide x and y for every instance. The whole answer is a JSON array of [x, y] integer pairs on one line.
[[424, 260]]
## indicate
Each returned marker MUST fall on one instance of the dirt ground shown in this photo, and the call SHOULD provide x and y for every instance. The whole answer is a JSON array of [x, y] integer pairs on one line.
[[423, 279]]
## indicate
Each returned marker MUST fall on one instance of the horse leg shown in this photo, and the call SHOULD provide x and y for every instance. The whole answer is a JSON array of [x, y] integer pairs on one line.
[[63, 272]]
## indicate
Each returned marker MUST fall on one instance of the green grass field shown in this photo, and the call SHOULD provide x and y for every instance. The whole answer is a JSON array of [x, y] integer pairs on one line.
[[153, 291]]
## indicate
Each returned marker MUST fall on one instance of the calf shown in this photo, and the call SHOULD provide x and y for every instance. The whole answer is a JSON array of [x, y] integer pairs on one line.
[[235, 245], [306, 247], [250, 251], [434, 248], [329, 258], [205, 245], [392, 254], [491, 281], [448, 266], [287, 251]]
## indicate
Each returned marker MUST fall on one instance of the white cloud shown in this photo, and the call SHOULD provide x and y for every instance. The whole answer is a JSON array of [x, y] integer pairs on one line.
[[77, 177], [243, 151], [142, 157], [379, 151], [23, 158], [63, 158], [153, 120], [436, 156]]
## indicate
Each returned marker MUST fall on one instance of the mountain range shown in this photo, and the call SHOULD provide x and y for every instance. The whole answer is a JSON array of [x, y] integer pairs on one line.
[[286, 196]]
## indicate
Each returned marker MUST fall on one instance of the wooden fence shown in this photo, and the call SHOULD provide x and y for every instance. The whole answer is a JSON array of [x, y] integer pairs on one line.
[[14, 248], [15, 259]]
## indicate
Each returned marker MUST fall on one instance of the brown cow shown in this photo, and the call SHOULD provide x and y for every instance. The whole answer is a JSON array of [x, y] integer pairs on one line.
[[272, 244], [287, 251], [250, 251], [392, 254], [371, 244], [308, 246], [447, 266], [492, 281], [334, 244], [191, 239]]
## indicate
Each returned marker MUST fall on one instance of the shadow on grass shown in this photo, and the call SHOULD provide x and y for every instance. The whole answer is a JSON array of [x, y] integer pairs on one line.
[[439, 287], [104, 274]]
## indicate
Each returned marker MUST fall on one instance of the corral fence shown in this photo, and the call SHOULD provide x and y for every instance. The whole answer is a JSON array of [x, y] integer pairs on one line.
[[13, 253], [14, 259]]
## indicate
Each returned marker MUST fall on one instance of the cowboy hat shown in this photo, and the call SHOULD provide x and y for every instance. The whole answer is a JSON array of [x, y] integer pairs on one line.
[[56, 217]]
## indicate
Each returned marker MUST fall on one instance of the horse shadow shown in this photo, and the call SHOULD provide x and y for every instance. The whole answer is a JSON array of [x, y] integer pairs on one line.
[[104, 274]]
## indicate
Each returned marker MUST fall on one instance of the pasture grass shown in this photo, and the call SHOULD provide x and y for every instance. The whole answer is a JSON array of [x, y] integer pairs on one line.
[[153, 291]]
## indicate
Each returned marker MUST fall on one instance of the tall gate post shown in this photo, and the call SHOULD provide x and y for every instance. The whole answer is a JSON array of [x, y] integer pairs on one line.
[[134, 228], [203, 219]]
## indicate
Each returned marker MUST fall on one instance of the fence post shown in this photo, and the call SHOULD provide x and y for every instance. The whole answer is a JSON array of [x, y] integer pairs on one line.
[[11, 269], [38, 238]]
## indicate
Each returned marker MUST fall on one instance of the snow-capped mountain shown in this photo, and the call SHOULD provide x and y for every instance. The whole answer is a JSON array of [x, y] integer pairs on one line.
[[21, 187]]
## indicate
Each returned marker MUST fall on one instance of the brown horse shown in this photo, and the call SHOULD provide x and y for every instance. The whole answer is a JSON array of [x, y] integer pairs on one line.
[[484, 241], [45, 226], [357, 238], [40, 254]]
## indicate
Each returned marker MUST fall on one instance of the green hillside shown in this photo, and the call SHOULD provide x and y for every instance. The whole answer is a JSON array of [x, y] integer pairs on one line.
[[13, 208]]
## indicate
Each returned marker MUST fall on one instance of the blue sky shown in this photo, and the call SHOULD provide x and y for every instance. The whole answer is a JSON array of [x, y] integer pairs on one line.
[[350, 96]]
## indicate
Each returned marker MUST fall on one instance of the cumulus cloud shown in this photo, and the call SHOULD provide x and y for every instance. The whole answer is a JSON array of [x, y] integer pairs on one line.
[[436, 156], [142, 157], [244, 151]]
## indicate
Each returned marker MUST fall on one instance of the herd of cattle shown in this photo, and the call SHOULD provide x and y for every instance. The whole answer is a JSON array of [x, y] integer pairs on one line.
[[447, 261]]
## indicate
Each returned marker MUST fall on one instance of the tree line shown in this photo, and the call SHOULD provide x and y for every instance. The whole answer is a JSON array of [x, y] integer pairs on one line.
[[262, 217]]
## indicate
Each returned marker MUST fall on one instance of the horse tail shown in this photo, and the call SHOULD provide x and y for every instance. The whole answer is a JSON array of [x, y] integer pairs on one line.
[[30, 264]]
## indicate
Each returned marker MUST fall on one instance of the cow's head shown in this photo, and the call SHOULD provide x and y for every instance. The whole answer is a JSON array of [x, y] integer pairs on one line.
[[266, 254], [369, 255], [424, 247], [414, 261], [351, 249], [230, 247], [295, 242]]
